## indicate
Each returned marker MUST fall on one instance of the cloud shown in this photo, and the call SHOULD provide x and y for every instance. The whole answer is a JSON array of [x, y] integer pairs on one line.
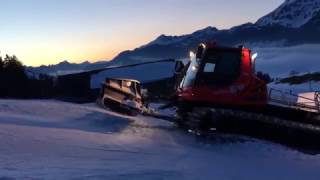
[[280, 61]]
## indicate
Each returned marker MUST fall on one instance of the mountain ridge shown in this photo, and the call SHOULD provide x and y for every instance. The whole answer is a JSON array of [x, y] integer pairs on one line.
[[271, 29], [66, 67], [291, 13]]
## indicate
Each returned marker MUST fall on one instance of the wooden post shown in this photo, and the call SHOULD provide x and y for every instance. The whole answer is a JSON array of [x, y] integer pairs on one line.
[[317, 100]]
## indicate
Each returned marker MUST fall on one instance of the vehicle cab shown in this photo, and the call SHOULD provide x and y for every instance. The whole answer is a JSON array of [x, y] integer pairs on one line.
[[223, 76]]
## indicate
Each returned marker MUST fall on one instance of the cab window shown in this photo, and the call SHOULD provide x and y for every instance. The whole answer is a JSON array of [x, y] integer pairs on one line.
[[221, 67]]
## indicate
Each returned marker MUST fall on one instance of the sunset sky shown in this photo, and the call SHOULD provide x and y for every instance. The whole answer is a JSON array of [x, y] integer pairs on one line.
[[49, 31]]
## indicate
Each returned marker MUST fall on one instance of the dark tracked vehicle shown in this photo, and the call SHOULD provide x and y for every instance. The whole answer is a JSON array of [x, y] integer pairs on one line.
[[122, 95]]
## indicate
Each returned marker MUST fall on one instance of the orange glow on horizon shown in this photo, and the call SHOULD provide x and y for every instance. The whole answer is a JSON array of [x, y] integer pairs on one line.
[[46, 52], [48, 32]]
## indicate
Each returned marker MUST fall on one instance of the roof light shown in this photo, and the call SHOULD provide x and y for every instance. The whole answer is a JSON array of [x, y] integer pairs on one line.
[[203, 45], [254, 56], [192, 54], [129, 83]]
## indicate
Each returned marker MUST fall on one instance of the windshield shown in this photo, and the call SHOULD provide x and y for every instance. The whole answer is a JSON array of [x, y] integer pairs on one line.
[[220, 67], [190, 77]]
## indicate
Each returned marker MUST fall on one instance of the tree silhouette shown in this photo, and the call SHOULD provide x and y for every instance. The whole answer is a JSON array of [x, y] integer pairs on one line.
[[13, 78], [1, 63], [14, 68], [14, 82], [1, 76]]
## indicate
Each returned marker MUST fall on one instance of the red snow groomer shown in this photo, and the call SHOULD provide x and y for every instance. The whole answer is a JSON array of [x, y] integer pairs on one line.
[[219, 89], [222, 76]]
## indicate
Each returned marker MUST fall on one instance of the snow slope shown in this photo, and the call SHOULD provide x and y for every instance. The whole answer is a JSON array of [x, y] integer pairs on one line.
[[143, 73], [56, 140], [292, 13]]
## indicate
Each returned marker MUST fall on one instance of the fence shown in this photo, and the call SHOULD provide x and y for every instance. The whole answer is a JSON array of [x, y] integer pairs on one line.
[[292, 100]]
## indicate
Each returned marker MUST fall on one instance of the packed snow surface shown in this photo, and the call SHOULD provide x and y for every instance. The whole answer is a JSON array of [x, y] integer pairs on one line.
[[56, 140]]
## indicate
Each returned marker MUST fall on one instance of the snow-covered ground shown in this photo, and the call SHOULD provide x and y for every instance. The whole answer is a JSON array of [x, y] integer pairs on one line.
[[44, 139]]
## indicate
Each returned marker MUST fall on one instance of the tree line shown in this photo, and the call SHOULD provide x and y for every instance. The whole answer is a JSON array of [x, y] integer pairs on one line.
[[15, 83]]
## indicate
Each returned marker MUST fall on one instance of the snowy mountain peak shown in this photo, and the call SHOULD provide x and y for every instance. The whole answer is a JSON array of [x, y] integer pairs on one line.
[[207, 31], [166, 40], [292, 13], [65, 62]]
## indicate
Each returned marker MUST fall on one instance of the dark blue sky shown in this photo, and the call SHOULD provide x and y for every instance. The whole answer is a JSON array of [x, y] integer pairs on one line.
[[48, 31]]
